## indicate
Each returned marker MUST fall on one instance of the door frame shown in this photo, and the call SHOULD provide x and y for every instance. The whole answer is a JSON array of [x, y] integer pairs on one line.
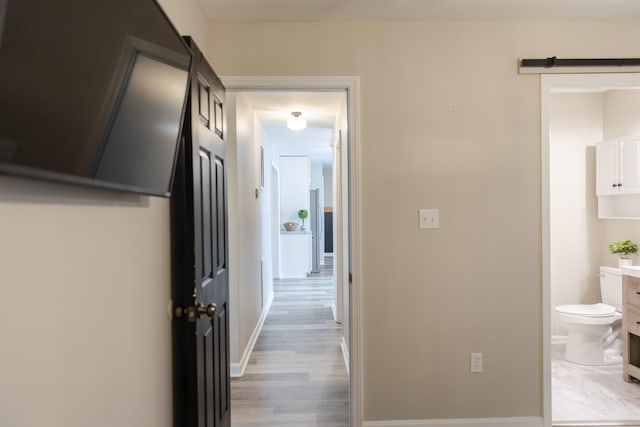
[[350, 84], [549, 83]]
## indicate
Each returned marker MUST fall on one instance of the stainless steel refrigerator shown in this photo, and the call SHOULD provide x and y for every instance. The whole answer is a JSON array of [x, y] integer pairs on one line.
[[316, 219]]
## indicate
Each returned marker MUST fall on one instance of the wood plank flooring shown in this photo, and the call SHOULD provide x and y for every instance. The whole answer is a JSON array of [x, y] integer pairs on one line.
[[591, 394], [296, 375]]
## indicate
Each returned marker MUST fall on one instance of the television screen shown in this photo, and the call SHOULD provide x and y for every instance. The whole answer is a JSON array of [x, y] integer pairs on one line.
[[91, 92]]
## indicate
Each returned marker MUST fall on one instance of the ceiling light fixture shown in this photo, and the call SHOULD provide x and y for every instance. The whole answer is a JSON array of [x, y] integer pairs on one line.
[[296, 121]]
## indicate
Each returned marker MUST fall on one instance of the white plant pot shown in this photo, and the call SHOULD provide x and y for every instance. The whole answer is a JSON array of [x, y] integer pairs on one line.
[[622, 262]]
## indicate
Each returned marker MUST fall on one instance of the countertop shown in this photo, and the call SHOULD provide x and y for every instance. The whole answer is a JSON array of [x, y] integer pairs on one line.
[[633, 270]]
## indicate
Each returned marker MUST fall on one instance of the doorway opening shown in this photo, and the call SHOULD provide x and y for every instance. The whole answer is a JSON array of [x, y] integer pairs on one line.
[[279, 172], [577, 112]]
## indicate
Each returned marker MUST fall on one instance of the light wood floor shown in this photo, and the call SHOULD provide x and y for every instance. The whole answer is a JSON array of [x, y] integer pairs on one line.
[[296, 375], [591, 394]]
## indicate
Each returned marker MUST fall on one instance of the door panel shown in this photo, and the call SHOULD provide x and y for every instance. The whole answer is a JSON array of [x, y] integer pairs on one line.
[[200, 252], [207, 218], [221, 230], [222, 369]]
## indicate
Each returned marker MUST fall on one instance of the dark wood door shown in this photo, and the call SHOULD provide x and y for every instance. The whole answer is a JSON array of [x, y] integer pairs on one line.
[[199, 258]]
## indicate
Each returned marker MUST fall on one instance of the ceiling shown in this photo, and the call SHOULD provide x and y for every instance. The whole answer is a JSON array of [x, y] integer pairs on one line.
[[320, 109], [420, 10]]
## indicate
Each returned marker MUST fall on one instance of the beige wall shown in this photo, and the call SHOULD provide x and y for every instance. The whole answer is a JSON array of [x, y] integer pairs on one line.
[[85, 339], [446, 123], [84, 331]]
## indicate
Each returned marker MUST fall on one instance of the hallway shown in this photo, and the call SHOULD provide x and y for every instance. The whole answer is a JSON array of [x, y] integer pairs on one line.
[[296, 375]]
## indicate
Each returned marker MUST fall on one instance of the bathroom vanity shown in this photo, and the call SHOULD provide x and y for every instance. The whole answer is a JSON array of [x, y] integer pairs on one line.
[[631, 323]]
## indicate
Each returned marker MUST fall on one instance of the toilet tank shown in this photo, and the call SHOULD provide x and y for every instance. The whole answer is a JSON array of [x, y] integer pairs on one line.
[[611, 286]]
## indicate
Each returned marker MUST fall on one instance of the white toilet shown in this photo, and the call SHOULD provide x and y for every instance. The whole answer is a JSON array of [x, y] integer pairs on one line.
[[594, 329]]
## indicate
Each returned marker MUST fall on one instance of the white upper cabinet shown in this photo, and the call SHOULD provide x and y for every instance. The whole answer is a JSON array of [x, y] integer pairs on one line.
[[607, 167], [630, 165], [618, 166]]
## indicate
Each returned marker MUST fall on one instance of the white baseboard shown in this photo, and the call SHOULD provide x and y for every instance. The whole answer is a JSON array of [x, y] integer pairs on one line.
[[237, 369], [475, 422], [345, 354]]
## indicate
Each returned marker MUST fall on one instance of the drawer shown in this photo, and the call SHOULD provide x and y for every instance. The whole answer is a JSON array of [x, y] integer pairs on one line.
[[633, 290], [633, 320]]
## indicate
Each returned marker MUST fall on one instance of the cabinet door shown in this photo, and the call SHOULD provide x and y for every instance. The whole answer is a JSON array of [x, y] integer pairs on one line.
[[607, 178], [630, 165]]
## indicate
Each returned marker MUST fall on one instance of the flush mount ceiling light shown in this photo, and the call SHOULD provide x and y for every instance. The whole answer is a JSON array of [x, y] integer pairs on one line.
[[296, 121]]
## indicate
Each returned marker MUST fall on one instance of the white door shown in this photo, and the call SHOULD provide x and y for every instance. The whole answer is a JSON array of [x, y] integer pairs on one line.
[[275, 222]]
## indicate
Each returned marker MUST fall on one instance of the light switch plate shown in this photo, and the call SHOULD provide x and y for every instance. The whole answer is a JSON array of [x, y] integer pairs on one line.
[[429, 218]]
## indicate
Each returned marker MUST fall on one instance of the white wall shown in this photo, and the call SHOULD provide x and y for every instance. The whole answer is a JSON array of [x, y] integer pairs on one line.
[[271, 223], [575, 125], [295, 177], [267, 221], [579, 240], [446, 122], [234, 127], [621, 117], [621, 113], [84, 283], [245, 224]]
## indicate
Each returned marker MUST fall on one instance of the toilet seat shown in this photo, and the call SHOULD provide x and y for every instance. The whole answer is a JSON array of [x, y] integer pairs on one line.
[[587, 310], [588, 314]]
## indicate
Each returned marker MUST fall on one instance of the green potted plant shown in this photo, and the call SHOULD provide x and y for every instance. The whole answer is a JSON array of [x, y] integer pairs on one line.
[[623, 248], [303, 214]]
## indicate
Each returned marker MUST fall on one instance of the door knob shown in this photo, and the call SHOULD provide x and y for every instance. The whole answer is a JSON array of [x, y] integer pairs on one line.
[[193, 313], [209, 310]]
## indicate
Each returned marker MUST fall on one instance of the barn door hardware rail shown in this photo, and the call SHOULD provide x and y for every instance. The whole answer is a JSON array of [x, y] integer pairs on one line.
[[594, 62]]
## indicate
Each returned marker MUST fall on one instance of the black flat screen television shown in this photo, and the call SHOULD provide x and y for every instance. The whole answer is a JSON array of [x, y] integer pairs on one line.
[[92, 92]]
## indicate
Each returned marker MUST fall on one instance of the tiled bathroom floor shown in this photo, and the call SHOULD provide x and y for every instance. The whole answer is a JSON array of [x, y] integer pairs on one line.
[[591, 393]]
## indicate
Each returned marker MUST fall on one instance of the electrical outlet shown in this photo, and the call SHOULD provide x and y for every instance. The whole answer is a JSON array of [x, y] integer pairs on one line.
[[476, 363], [429, 218]]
